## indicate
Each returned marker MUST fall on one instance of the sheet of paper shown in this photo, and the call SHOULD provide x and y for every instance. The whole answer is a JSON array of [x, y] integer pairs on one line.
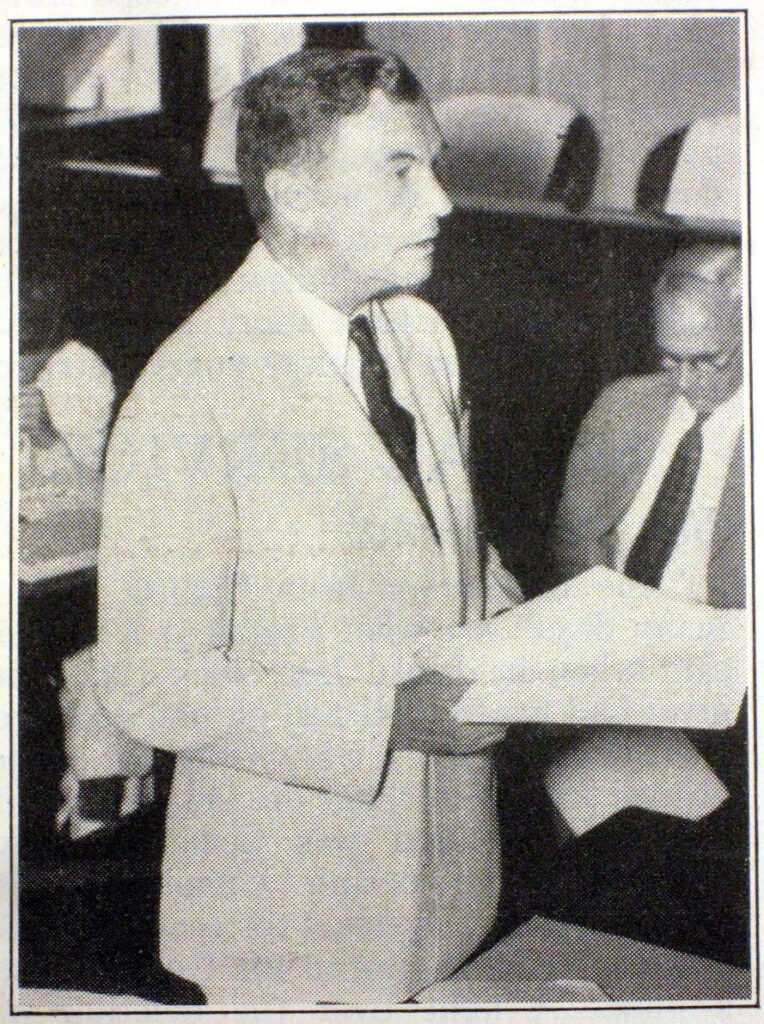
[[611, 768], [545, 961], [599, 650]]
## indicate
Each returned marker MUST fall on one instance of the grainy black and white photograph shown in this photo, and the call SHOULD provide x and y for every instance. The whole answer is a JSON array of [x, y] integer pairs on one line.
[[381, 516]]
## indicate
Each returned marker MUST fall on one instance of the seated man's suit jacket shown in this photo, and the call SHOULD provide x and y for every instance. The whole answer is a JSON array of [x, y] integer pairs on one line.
[[609, 461], [264, 572]]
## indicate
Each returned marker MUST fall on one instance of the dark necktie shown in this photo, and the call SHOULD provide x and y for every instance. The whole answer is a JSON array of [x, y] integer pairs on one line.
[[651, 551], [394, 424]]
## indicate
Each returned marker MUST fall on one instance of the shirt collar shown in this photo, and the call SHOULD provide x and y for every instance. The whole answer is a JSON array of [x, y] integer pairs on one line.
[[730, 412], [330, 326]]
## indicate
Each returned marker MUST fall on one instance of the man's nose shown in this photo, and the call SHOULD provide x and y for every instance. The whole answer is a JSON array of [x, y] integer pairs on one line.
[[438, 200], [686, 375]]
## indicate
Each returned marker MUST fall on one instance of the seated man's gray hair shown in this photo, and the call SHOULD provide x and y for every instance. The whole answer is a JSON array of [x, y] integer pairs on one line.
[[287, 111]]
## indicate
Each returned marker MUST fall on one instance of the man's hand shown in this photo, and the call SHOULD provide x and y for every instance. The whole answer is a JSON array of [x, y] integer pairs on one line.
[[422, 718]]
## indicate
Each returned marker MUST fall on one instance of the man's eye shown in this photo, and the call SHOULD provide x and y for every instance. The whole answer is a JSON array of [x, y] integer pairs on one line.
[[402, 171]]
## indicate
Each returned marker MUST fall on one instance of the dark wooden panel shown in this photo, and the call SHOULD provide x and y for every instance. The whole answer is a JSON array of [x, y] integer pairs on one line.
[[543, 314]]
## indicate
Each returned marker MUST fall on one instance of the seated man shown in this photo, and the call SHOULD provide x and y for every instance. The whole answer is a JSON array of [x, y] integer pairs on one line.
[[65, 400], [655, 488]]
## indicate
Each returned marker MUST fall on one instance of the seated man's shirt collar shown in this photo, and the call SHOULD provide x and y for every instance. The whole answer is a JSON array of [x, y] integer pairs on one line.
[[730, 413]]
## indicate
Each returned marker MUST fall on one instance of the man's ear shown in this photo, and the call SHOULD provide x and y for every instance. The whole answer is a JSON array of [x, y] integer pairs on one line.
[[289, 195]]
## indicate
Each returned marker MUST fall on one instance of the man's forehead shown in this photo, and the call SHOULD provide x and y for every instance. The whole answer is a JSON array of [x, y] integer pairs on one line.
[[708, 262]]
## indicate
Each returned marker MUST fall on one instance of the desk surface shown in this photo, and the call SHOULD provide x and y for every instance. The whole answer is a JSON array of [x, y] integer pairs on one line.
[[546, 961], [60, 566], [59, 523]]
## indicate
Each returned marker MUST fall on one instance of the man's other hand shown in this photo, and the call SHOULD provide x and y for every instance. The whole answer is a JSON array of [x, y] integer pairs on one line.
[[422, 718]]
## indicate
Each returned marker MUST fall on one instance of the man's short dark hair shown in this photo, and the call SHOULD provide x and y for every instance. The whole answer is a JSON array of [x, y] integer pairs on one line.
[[287, 111]]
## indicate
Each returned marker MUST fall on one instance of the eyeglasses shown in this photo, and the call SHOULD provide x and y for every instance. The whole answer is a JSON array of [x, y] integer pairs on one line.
[[716, 361]]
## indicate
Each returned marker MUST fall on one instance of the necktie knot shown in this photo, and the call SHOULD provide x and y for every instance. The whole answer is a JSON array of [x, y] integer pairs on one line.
[[362, 335], [361, 332]]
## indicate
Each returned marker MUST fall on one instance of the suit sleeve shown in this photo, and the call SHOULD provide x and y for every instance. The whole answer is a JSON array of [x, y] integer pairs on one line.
[[167, 583], [576, 537]]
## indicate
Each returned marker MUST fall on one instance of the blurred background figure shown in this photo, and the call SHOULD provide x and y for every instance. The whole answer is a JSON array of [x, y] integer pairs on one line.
[[66, 396], [66, 391]]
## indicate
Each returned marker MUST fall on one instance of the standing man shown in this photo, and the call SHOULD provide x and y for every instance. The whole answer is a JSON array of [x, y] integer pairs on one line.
[[655, 488], [287, 508]]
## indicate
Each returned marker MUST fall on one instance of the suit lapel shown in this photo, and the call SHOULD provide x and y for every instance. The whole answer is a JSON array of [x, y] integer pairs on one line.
[[638, 436], [732, 500], [727, 561], [273, 353], [440, 460]]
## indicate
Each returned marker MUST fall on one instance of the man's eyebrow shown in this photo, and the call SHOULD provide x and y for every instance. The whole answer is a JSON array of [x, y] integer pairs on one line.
[[679, 358], [405, 154]]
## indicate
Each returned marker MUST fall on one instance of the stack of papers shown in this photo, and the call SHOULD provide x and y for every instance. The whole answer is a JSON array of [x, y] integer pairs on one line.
[[599, 650]]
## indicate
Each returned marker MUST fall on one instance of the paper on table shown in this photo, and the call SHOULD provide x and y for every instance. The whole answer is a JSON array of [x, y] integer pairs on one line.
[[542, 959], [611, 768], [599, 650]]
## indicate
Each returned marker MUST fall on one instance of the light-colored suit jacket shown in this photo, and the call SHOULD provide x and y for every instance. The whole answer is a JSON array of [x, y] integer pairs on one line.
[[609, 461], [264, 571]]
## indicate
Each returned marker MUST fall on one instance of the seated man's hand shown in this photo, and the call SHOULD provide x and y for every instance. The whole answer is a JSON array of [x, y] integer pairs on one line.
[[422, 718]]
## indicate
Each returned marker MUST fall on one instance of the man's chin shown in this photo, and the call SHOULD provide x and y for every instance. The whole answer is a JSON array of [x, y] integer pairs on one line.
[[407, 275], [416, 271]]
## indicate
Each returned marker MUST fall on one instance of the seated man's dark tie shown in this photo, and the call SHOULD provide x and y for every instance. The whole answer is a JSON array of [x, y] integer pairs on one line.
[[394, 424], [651, 551]]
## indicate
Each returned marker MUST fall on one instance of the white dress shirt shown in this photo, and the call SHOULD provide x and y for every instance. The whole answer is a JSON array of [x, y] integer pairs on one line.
[[332, 328], [685, 575]]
